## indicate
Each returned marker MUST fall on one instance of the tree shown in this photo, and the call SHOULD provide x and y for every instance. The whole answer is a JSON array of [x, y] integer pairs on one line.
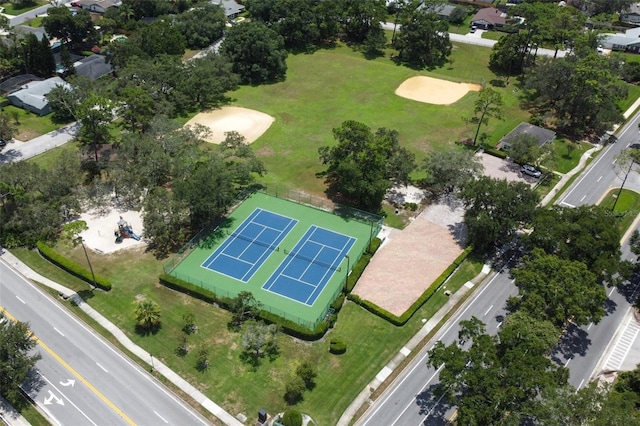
[[585, 234], [525, 148], [624, 163], [495, 210], [202, 25], [16, 358], [458, 15], [424, 41], [496, 379], [489, 104], [259, 339], [256, 52], [65, 101], [8, 127], [136, 109], [75, 29], [190, 326], [159, 38], [448, 171], [362, 19], [96, 114], [307, 372], [147, 315], [244, 307], [293, 390], [360, 168], [634, 242], [507, 55], [581, 92], [203, 359], [206, 81], [558, 290]]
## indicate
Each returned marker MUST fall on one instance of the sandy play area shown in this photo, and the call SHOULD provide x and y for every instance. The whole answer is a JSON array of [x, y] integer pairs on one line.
[[249, 123], [102, 225], [433, 90], [410, 260]]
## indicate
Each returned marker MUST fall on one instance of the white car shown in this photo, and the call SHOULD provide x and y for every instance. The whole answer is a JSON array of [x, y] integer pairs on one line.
[[531, 171]]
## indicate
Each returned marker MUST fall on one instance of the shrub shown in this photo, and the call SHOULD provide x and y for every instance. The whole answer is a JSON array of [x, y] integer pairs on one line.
[[495, 152], [292, 418], [293, 390], [337, 346], [411, 206], [337, 304], [71, 267]]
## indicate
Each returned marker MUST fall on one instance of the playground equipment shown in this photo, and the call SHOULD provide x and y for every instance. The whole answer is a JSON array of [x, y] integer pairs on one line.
[[125, 231]]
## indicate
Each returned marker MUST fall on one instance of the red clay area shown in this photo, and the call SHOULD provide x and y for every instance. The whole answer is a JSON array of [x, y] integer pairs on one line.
[[408, 262]]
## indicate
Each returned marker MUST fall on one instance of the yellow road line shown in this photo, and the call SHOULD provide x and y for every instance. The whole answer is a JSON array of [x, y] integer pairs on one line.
[[74, 372]]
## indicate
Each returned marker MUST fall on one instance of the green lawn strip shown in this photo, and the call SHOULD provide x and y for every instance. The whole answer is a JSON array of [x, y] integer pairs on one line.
[[546, 184], [463, 28], [29, 124], [35, 22], [48, 158], [49, 270], [493, 35], [14, 10], [634, 94], [563, 159], [315, 99], [627, 208], [398, 221], [29, 411]]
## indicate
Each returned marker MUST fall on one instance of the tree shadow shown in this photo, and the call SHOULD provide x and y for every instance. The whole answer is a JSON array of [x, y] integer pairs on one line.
[[629, 289], [431, 403], [575, 341], [146, 331], [251, 359], [30, 387]]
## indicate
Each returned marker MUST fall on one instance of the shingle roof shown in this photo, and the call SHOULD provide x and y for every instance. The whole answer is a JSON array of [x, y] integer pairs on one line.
[[35, 92], [94, 67], [543, 135], [491, 15]]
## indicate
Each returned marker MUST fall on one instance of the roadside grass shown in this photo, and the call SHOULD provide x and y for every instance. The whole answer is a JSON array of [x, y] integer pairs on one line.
[[563, 159], [634, 94], [35, 22], [462, 28], [546, 184], [237, 386], [315, 99], [493, 35], [29, 124], [398, 221], [31, 413], [14, 9], [189, 53], [627, 208], [48, 158]]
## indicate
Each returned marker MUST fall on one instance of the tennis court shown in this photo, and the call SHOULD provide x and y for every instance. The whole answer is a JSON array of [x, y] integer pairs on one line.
[[244, 252], [310, 265], [293, 258]]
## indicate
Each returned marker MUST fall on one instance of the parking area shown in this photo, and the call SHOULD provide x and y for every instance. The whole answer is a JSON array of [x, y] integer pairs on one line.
[[498, 168]]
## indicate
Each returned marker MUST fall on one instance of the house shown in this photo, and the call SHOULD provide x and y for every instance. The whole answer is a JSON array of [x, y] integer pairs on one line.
[[231, 8], [489, 18], [632, 16], [33, 96], [629, 41], [98, 6], [442, 10], [93, 67], [544, 136], [12, 84]]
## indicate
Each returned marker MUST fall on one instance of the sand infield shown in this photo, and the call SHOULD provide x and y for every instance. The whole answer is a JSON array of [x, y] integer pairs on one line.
[[433, 90], [249, 123]]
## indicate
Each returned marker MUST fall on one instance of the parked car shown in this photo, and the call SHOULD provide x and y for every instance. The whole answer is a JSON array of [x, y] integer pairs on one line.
[[473, 29], [531, 171]]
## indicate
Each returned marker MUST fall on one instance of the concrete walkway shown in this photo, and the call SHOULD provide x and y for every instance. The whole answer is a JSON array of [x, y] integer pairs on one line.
[[145, 356], [428, 327], [10, 415]]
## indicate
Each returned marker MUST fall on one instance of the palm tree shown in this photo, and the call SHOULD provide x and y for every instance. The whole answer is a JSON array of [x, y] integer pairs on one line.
[[148, 315]]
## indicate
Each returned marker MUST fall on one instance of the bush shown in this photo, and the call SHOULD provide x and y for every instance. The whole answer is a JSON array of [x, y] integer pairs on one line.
[[402, 319], [337, 304], [293, 390], [411, 206], [292, 418], [337, 346], [495, 152], [71, 267]]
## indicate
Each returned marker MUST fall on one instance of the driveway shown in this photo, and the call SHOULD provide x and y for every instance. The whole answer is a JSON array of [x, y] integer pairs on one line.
[[17, 151], [498, 168]]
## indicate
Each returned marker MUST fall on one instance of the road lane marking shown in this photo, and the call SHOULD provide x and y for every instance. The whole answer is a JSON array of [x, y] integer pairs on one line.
[[23, 302], [568, 361], [583, 197], [612, 290], [412, 402], [584, 175], [432, 408], [67, 398], [124, 359], [488, 310], [580, 385], [564, 203], [59, 332], [74, 372], [419, 362], [104, 369], [599, 179], [500, 324], [590, 325], [160, 416]]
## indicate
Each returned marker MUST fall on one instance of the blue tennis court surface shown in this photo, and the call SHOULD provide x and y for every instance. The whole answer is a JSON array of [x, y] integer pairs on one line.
[[310, 265], [244, 251]]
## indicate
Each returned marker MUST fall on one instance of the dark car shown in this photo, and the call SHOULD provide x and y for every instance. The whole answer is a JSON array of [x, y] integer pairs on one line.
[[531, 171]]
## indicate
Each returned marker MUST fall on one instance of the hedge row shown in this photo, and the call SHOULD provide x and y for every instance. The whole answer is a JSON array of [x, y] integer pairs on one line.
[[70, 266], [360, 266], [402, 319], [285, 325], [495, 152]]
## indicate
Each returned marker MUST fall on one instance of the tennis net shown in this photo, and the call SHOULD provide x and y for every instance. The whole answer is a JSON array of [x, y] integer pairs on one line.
[[310, 260], [273, 247]]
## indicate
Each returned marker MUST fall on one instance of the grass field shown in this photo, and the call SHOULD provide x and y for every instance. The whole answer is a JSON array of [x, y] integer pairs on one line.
[[29, 124], [12, 9], [563, 159], [627, 208], [315, 99]]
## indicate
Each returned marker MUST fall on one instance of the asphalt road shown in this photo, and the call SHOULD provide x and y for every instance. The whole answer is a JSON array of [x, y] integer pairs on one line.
[[409, 399], [82, 379], [18, 151]]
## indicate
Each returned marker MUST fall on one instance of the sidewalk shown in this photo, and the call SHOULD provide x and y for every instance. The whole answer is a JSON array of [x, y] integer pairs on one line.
[[10, 415], [428, 327], [145, 356]]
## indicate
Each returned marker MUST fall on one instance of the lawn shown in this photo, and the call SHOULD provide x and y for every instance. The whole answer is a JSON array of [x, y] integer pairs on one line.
[[493, 35], [626, 209], [12, 9], [35, 22], [315, 99], [562, 158], [29, 124], [237, 386]]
